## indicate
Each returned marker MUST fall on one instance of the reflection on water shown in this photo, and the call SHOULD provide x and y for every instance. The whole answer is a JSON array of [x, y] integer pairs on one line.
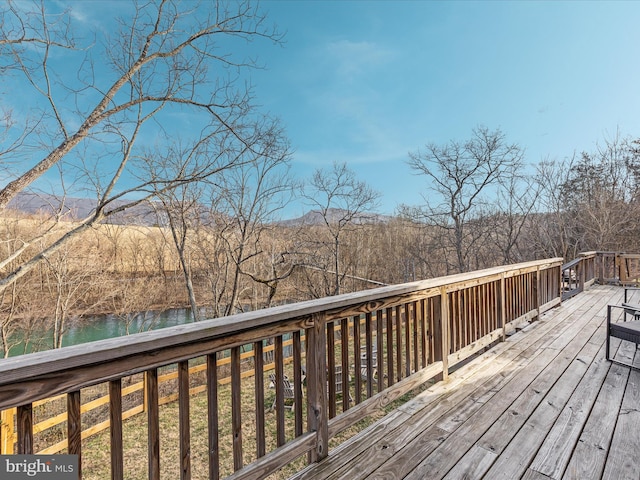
[[104, 326]]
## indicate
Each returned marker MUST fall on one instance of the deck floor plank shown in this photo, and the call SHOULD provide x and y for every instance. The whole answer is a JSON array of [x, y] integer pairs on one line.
[[497, 421], [622, 461], [590, 453], [558, 445], [545, 404]]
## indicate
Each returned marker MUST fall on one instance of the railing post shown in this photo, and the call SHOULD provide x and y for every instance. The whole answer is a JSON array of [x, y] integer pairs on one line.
[[115, 423], [600, 267], [317, 410], [445, 337], [619, 267]]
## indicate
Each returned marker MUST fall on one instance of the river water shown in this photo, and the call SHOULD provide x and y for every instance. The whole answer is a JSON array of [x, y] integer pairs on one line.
[[102, 327]]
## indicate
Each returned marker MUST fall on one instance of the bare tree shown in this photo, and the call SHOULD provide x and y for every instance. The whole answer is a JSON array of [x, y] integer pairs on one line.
[[590, 201], [183, 212], [73, 288], [516, 200], [552, 231], [132, 303], [251, 195], [460, 178], [602, 189], [342, 202], [93, 120]]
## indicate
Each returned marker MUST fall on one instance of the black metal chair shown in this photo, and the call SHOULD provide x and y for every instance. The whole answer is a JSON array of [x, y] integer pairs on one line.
[[625, 330]]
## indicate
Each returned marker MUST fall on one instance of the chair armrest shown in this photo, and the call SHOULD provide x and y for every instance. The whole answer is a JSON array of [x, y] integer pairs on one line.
[[630, 306], [631, 309], [626, 289]]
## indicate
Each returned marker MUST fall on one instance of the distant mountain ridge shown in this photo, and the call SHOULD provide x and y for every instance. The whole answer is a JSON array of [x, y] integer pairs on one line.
[[315, 217], [75, 208]]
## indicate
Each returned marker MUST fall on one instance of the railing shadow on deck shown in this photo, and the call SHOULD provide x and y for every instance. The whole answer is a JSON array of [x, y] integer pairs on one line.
[[408, 334]]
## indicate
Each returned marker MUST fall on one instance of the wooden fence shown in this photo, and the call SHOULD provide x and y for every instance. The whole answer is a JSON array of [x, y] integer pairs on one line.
[[346, 357]]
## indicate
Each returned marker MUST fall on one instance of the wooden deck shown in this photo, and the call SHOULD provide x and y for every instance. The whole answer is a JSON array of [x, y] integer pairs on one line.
[[545, 404]]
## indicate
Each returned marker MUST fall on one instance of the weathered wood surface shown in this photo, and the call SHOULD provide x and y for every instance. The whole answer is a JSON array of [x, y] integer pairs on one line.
[[545, 404]]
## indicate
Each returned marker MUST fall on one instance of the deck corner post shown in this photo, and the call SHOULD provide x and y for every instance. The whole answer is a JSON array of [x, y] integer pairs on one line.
[[317, 407]]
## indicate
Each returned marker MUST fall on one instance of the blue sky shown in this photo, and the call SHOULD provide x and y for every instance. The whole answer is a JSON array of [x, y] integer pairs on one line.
[[366, 82]]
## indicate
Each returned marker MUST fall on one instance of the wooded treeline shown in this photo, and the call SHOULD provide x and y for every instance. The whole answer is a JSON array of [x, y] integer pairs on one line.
[[586, 203]]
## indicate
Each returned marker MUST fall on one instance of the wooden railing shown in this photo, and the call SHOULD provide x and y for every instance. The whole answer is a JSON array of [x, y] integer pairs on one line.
[[350, 356], [132, 404], [602, 267]]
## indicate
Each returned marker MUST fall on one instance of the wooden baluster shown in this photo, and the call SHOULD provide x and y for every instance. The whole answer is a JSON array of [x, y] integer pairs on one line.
[[331, 369], [485, 292], [368, 343], [416, 344], [473, 314], [74, 428], [445, 331], [279, 363], [357, 358], [536, 292], [502, 311], [183, 414], [389, 338], [434, 315], [115, 429], [463, 319], [344, 342], [398, 319], [212, 416], [24, 420], [297, 380], [423, 331], [258, 363], [454, 317], [407, 337], [153, 423], [380, 350], [437, 329], [236, 403]]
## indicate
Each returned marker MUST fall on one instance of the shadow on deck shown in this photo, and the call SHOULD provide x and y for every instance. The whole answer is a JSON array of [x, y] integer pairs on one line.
[[544, 404]]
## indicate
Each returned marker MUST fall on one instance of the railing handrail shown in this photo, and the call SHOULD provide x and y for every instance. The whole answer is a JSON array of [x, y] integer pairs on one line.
[[571, 264], [17, 369]]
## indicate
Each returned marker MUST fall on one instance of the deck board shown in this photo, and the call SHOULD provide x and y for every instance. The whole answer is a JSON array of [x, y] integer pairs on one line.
[[544, 404]]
